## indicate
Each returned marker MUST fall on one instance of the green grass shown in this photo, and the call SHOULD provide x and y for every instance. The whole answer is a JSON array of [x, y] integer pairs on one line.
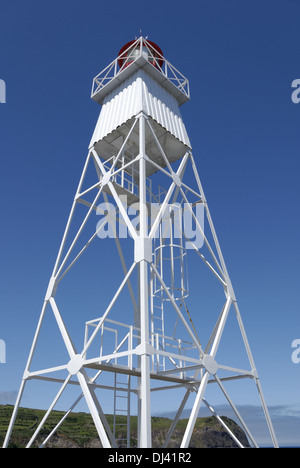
[[79, 428]]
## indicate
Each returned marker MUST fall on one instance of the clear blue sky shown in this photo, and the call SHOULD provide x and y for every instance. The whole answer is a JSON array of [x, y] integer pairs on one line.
[[241, 58]]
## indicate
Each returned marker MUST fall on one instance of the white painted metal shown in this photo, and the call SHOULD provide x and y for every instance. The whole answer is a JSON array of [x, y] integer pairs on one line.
[[140, 93], [140, 105], [121, 409], [167, 75]]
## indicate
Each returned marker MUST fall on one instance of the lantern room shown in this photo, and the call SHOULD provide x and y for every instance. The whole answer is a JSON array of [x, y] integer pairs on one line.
[[132, 50], [136, 55]]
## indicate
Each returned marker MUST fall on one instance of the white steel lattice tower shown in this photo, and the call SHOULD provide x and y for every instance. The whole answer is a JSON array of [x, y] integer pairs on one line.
[[158, 330]]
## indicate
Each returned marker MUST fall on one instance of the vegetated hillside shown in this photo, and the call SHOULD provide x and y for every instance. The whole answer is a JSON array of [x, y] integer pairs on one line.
[[78, 430]]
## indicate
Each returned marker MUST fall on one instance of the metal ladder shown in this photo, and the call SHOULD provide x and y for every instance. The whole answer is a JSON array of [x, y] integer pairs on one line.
[[121, 421], [157, 329]]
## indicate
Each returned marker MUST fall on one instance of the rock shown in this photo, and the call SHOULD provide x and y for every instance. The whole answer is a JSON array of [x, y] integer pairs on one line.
[[78, 431]]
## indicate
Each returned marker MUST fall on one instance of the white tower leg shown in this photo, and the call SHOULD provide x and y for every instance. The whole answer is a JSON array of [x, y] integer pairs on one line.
[[142, 243]]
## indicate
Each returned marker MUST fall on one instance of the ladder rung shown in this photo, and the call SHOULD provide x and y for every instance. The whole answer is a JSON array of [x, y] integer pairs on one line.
[[121, 391]]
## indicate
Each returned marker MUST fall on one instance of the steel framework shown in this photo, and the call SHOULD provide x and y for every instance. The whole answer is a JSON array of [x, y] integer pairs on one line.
[[143, 355], [139, 50]]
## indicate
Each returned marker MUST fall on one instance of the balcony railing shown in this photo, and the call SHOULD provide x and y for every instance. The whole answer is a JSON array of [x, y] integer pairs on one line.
[[141, 48], [118, 343]]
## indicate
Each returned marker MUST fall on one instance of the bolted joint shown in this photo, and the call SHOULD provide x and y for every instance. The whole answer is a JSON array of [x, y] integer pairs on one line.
[[51, 288], [106, 178], [230, 290], [210, 364], [176, 179], [144, 348], [143, 249], [75, 364]]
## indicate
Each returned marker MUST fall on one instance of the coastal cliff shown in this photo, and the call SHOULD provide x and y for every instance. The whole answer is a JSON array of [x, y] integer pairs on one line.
[[78, 430]]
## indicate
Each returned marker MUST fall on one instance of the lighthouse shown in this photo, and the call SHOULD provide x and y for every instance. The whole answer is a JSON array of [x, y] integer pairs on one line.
[[159, 342]]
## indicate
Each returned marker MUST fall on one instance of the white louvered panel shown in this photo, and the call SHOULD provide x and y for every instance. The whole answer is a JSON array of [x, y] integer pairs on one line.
[[140, 92]]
